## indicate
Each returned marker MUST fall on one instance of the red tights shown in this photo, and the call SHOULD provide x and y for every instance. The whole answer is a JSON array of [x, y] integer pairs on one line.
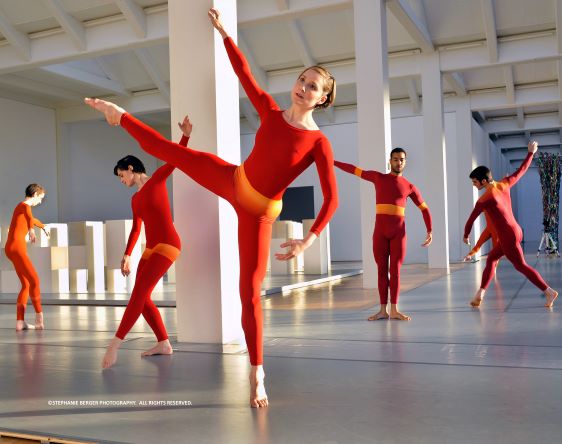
[[29, 281]]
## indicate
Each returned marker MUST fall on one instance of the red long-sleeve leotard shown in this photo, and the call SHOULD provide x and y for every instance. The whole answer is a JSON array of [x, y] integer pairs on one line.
[[150, 205], [496, 201], [389, 236], [281, 152]]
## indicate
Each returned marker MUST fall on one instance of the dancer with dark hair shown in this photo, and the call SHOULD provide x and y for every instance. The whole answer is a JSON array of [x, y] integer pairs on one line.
[[496, 202], [287, 143], [23, 224], [150, 205], [389, 236]]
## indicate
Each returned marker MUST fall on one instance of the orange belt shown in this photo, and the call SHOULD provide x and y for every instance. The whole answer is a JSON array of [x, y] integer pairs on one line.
[[391, 210], [166, 250], [252, 200]]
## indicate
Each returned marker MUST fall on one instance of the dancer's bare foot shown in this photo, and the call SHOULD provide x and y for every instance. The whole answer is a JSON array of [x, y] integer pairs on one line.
[[112, 112], [551, 296], [258, 396], [162, 348], [21, 325], [399, 316], [110, 356], [377, 316], [478, 298], [39, 325]]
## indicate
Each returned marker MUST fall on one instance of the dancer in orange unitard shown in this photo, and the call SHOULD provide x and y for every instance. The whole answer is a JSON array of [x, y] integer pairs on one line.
[[287, 143], [150, 205], [23, 223], [496, 202], [389, 236]]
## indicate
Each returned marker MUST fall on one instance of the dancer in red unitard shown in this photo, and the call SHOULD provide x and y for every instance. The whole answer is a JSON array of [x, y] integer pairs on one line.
[[496, 202], [287, 143], [23, 223], [150, 205], [389, 236]]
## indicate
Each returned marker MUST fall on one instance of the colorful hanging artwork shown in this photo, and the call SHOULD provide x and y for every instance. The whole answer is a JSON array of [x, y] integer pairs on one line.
[[549, 172]]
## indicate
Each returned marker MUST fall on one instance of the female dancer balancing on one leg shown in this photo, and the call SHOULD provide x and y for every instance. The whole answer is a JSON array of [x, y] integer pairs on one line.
[[151, 205], [287, 142], [23, 223]]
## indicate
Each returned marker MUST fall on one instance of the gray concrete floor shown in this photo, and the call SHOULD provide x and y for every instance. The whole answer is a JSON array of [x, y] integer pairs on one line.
[[451, 375]]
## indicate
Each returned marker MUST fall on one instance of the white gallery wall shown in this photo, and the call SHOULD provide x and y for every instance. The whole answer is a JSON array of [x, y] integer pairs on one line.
[[28, 153], [89, 190]]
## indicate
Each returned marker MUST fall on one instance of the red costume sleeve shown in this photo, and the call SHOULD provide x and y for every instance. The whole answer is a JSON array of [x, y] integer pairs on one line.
[[478, 208], [417, 198], [262, 101], [514, 178], [324, 159], [369, 175]]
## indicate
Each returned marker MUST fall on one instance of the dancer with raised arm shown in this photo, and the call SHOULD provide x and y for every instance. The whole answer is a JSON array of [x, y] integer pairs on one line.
[[496, 202], [23, 223], [389, 236], [287, 142], [150, 205]]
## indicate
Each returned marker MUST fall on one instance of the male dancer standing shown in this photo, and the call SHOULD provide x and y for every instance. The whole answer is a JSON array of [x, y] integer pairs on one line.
[[389, 237], [496, 201]]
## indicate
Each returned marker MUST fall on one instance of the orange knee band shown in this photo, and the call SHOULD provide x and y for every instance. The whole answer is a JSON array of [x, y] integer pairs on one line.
[[252, 200]]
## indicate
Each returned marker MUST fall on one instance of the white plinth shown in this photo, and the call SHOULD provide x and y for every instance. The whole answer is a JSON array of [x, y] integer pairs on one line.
[[317, 256]]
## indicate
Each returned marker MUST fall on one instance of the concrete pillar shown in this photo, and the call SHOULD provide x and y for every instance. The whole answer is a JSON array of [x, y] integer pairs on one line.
[[435, 191], [203, 85], [373, 114]]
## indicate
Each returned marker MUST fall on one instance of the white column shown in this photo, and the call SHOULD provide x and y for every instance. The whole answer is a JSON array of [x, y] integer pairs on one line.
[[435, 192], [466, 194], [203, 85], [373, 114]]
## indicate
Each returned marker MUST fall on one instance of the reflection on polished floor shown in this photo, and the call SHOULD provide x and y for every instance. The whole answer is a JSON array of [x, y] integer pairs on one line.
[[451, 375]]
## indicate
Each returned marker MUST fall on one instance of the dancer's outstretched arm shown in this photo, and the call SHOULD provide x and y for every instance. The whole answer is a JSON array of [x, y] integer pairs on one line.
[[514, 178], [369, 175], [260, 99], [478, 208]]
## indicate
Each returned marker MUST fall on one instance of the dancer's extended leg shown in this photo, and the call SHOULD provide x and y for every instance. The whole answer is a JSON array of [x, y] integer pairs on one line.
[[30, 288], [381, 252]]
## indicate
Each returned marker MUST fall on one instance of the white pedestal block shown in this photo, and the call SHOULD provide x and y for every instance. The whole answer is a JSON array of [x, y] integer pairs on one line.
[[116, 282], [91, 235], [51, 264], [58, 236], [317, 256], [3, 235], [9, 282], [79, 280], [5, 263], [280, 267], [171, 274], [284, 230]]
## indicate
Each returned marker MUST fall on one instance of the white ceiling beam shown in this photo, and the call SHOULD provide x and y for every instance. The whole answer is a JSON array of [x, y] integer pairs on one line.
[[105, 37], [40, 88], [85, 78], [149, 66], [537, 95], [520, 118], [490, 29], [414, 96], [282, 5], [509, 83], [456, 81], [16, 38], [138, 104], [248, 18], [532, 123], [248, 112], [71, 26], [110, 71], [134, 14], [301, 43], [415, 26], [257, 71]]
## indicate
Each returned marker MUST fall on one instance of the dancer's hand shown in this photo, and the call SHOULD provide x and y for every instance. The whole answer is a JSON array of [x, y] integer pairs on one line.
[[32, 237], [112, 112], [468, 257], [186, 126], [533, 146], [125, 267], [214, 15], [296, 247], [466, 240], [428, 240]]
